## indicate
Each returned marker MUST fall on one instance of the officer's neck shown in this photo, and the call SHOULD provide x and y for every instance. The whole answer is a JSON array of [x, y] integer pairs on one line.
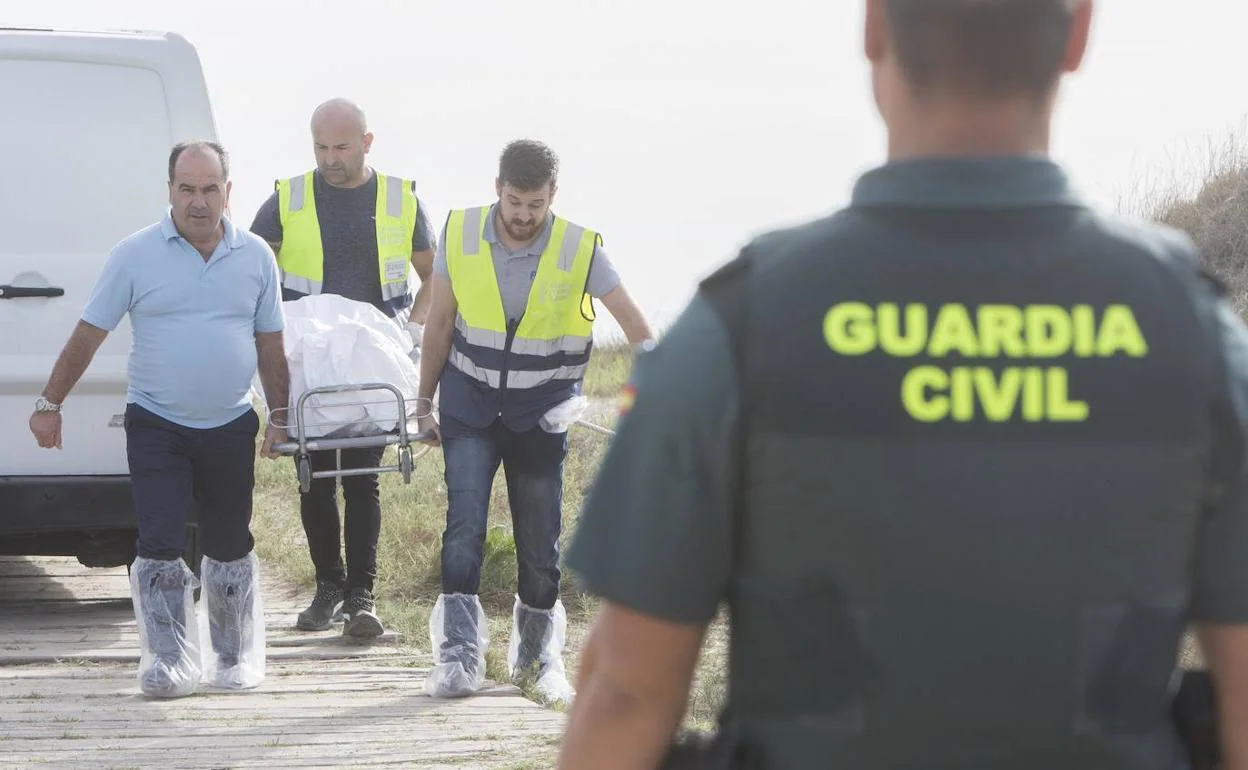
[[968, 128]]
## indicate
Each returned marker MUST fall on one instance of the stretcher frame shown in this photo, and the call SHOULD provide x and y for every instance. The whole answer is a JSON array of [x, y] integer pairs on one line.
[[401, 437]]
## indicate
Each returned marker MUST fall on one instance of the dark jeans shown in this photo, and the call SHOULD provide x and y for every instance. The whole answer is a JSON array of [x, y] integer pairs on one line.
[[319, 511], [533, 465], [172, 467]]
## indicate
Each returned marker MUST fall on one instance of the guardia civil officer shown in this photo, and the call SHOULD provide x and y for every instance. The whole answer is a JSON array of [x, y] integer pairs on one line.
[[963, 459]]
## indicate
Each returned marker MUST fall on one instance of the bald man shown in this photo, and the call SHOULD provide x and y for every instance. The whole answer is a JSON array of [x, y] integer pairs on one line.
[[347, 229]]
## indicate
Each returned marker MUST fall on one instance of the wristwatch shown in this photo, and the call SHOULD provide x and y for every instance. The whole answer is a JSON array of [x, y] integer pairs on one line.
[[44, 405]]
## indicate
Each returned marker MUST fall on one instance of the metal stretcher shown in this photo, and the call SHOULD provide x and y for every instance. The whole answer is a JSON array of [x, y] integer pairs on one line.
[[402, 437]]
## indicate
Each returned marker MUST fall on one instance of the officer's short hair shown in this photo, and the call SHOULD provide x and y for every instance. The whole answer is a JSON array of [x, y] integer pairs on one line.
[[985, 47], [202, 146], [527, 164]]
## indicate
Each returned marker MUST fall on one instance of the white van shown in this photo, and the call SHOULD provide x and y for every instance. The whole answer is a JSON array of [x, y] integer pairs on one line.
[[89, 120]]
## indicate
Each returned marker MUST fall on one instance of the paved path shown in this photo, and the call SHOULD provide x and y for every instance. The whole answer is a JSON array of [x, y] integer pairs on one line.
[[69, 697]]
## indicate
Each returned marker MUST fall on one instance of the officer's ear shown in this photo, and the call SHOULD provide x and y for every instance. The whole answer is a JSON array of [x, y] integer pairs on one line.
[[368, 141], [498, 187], [875, 31], [1080, 31]]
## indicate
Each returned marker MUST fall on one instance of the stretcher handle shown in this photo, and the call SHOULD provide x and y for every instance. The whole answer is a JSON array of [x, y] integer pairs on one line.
[[354, 442]]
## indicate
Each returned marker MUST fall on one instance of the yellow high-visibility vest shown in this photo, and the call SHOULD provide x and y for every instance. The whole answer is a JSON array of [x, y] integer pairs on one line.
[[301, 258], [554, 334]]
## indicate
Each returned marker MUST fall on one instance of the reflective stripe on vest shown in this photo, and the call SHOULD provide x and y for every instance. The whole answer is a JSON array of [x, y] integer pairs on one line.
[[553, 339], [521, 380], [301, 258]]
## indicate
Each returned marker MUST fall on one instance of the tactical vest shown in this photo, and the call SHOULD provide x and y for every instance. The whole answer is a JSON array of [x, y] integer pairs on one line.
[[956, 457], [301, 258], [517, 370]]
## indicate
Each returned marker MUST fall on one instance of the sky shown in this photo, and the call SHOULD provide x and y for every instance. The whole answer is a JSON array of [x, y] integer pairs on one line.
[[684, 127]]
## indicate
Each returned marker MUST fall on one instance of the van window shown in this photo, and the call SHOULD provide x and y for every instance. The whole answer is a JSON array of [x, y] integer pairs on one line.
[[84, 150]]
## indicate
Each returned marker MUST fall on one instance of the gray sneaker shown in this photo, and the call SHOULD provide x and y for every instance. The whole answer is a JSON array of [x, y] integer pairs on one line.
[[361, 614], [320, 614]]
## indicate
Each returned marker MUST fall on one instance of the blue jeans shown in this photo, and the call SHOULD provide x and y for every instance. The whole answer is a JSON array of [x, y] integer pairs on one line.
[[533, 465]]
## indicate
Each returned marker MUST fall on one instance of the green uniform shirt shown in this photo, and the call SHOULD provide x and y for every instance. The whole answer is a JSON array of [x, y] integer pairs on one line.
[[656, 533]]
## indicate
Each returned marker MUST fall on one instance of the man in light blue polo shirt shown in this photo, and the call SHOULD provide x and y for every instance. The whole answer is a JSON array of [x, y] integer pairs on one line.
[[204, 301]]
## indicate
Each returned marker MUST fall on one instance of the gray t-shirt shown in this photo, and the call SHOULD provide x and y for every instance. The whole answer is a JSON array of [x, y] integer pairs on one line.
[[348, 236], [516, 270]]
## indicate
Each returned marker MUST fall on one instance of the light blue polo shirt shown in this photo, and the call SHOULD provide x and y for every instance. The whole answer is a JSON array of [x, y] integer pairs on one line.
[[194, 321]]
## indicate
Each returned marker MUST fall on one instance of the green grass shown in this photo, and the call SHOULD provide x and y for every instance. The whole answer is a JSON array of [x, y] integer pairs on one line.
[[609, 367], [413, 517]]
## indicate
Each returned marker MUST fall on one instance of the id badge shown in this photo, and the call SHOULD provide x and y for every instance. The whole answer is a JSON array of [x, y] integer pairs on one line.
[[396, 269]]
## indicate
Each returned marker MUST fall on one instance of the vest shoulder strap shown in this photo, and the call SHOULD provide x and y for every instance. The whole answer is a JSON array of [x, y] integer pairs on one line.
[[294, 179], [577, 226], [300, 191], [1227, 470], [469, 230], [727, 291]]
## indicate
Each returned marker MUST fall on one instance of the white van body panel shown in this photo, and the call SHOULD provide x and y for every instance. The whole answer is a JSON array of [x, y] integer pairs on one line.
[[90, 118]]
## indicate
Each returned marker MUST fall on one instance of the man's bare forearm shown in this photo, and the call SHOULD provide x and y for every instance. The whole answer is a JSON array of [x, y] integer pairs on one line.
[[628, 704], [613, 729], [1226, 649], [433, 354], [637, 331], [420, 306], [422, 266], [274, 374], [276, 383], [75, 357], [627, 315]]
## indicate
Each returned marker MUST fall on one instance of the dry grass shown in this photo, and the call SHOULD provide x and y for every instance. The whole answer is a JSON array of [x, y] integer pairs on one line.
[[1211, 206], [608, 370], [413, 517]]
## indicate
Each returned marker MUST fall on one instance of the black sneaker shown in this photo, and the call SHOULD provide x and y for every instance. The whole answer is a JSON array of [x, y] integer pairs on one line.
[[320, 614], [361, 614]]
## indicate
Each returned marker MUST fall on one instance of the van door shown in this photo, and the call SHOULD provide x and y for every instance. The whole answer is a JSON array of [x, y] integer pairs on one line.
[[85, 152]]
